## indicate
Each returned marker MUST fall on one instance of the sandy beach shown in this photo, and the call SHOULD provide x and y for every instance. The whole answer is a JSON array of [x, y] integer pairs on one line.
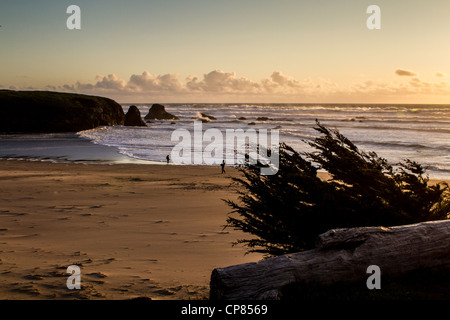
[[135, 230]]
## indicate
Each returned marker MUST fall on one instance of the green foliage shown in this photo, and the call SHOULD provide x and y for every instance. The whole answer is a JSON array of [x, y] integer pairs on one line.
[[286, 212]]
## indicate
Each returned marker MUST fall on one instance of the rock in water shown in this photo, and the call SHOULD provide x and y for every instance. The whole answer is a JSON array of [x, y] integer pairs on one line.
[[133, 118], [208, 117], [158, 112], [46, 112]]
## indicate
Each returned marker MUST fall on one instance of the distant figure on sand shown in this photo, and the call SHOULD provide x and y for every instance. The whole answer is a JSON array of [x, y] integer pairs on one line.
[[223, 166], [168, 159]]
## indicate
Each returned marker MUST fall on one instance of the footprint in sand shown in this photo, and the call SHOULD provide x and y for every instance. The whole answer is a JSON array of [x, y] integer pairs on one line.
[[28, 289], [164, 292], [108, 261], [97, 275], [34, 277], [7, 213]]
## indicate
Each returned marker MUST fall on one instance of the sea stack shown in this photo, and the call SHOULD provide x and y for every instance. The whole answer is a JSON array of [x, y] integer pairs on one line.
[[204, 115], [133, 118], [49, 112], [263, 119], [158, 112]]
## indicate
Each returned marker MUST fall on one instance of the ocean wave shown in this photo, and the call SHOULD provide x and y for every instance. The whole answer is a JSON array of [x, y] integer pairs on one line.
[[402, 145], [397, 128], [397, 131]]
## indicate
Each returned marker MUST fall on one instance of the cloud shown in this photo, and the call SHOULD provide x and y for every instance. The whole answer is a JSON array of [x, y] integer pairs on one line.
[[146, 82], [110, 82], [104, 83], [395, 90], [284, 81], [222, 86], [439, 74], [405, 73], [219, 81]]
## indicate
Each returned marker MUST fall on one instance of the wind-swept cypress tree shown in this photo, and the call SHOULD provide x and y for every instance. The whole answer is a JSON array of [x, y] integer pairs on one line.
[[287, 211]]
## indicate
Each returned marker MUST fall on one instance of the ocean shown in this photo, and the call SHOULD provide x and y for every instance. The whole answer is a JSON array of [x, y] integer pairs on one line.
[[395, 132]]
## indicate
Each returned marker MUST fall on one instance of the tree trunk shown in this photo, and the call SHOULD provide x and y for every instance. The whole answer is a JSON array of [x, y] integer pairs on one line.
[[340, 255]]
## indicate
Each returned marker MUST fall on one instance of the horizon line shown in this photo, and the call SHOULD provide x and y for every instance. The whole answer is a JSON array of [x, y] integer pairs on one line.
[[252, 103]]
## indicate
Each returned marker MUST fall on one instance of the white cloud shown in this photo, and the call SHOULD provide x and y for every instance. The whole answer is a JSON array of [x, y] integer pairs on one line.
[[219, 85], [110, 82], [220, 81], [146, 82], [104, 84], [284, 81]]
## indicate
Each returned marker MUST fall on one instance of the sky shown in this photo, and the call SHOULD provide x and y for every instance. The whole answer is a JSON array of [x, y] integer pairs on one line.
[[262, 51]]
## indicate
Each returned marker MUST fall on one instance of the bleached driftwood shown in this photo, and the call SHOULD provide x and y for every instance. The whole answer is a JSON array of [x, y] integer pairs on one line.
[[340, 255]]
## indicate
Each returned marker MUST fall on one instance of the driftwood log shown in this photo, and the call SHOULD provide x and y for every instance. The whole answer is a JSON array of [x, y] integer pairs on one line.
[[340, 255]]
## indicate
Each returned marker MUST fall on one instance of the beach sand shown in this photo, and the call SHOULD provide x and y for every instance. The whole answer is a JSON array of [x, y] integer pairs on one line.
[[135, 230]]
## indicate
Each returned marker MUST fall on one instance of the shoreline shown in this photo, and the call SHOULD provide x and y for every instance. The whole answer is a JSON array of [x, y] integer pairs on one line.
[[68, 148]]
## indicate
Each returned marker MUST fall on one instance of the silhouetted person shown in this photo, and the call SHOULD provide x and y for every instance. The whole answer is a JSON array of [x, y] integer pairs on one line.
[[223, 166], [168, 159]]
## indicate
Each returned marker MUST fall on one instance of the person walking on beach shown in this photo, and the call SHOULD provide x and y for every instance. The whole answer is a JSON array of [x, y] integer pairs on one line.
[[223, 166], [168, 159]]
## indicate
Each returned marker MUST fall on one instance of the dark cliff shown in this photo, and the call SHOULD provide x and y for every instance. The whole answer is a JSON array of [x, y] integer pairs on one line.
[[45, 111]]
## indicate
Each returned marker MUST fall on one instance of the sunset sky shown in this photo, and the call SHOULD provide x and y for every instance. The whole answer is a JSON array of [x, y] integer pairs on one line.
[[230, 51]]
